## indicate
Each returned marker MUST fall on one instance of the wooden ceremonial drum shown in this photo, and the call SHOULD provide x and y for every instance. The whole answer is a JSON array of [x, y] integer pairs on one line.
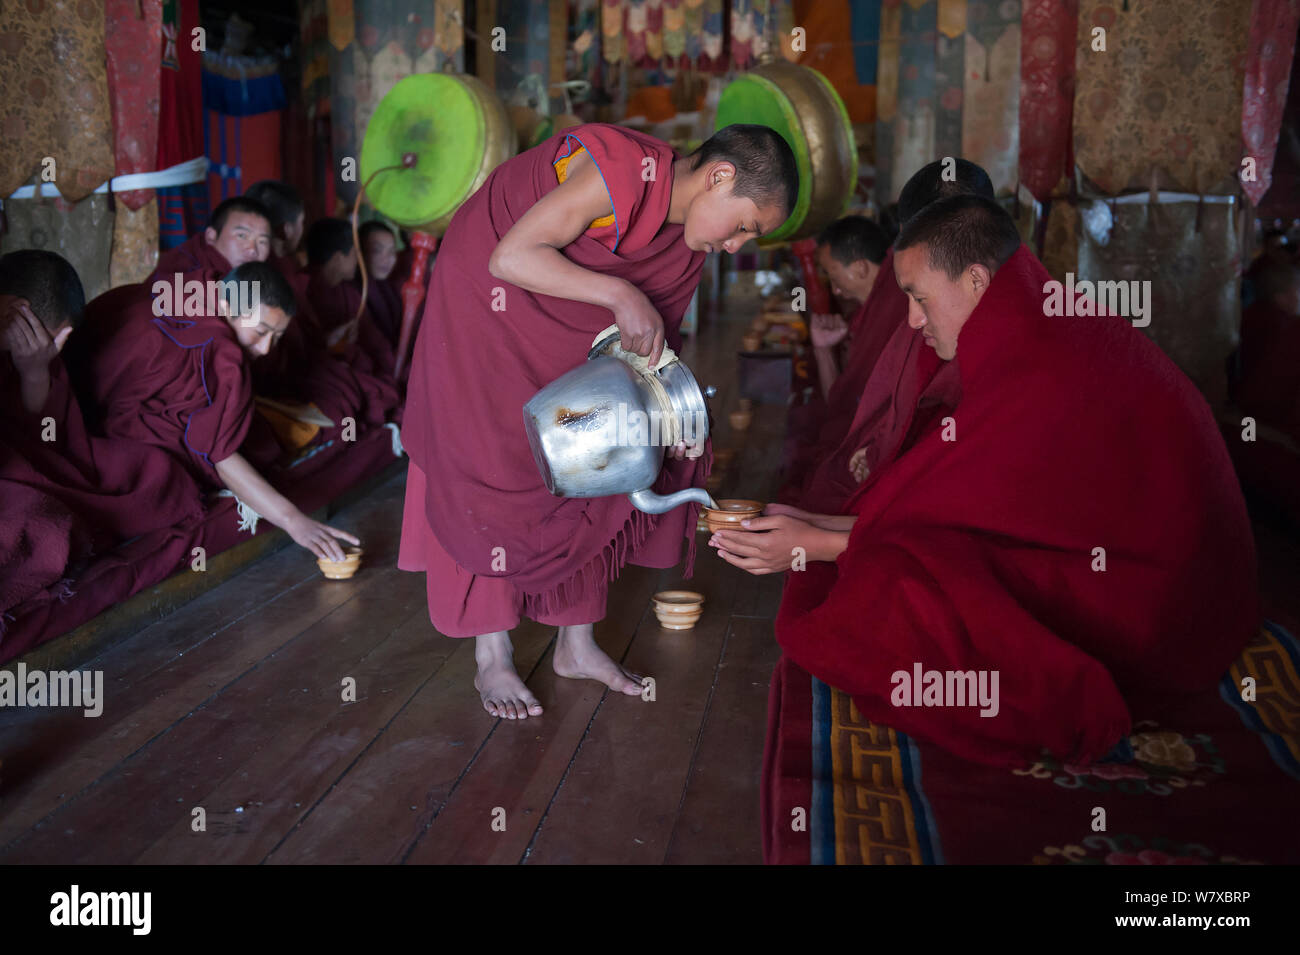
[[458, 130], [801, 105]]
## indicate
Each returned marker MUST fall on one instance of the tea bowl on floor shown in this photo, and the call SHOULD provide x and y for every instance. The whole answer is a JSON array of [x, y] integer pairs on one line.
[[678, 609], [341, 569]]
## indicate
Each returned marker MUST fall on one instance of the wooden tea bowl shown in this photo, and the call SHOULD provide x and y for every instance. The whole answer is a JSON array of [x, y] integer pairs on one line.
[[678, 609], [341, 569], [730, 513]]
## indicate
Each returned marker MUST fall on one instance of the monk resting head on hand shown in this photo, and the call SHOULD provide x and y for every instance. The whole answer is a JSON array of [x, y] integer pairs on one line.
[[944, 259], [240, 229], [41, 302]]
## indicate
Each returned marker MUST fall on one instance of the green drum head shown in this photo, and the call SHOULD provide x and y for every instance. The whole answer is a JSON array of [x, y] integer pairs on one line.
[[441, 120], [753, 98]]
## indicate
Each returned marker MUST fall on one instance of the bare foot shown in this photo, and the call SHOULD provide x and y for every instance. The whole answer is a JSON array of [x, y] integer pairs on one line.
[[503, 693], [578, 657]]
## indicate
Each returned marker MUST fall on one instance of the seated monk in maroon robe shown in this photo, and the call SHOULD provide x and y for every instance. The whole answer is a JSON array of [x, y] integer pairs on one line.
[[238, 231], [349, 329], [1269, 388], [383, 290], [63, 493], [880, 325], [597, 224], [180, 380], [852, 251], [300, 367], [1069, 538]]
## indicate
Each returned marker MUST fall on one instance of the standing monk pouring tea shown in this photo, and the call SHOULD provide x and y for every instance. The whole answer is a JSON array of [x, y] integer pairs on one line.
[[598, 223]]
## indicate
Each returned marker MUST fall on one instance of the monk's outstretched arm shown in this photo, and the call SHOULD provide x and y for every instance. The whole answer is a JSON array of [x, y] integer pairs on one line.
[[254, 490], [830, 522], [529, 256]]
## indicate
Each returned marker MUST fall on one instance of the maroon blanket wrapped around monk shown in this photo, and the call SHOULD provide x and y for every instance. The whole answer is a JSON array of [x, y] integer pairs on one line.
[[180, 384], [476, 365], [882, 316], [1073, 528]]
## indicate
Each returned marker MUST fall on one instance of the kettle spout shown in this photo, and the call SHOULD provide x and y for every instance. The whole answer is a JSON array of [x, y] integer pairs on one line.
[[652, 503]]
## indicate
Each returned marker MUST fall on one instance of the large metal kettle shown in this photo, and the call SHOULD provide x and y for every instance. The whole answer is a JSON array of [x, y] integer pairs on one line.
[[603, 427]]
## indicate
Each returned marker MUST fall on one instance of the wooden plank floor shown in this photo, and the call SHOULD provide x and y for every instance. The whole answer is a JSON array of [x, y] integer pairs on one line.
[[233, 705]]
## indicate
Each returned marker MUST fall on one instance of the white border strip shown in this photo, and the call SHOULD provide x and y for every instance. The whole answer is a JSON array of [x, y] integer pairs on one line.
[[182, 174]]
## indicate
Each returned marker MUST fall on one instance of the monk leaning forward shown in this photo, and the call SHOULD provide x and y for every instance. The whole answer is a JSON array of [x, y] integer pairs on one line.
[[181, 380], [596, 222]]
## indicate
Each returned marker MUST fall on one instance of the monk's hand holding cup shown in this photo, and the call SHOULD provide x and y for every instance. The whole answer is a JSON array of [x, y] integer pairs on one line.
[[771, 551], [319, 538], [640, 326]]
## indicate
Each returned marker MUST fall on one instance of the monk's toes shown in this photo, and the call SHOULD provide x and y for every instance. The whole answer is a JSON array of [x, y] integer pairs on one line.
[[631, 685]]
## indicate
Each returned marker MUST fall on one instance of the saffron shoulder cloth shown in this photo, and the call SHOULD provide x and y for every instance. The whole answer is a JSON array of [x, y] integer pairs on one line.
[[1079, 529], [485, 347]]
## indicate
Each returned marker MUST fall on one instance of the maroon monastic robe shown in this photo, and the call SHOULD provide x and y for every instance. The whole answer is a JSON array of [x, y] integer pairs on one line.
[[183, 385], [908, 386], [384, 303], [194, 258], [882, 316], [65, 494], [336, 305], [1074, 526], [301, 367], [475, 366]]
